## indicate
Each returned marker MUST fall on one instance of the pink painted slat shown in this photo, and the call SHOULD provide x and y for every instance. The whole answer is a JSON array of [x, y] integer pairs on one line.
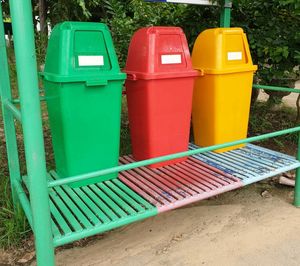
[[138, 190], [199, 197], [194, 184], [199, 173], [216, 176], [155, 178], [164, 197], [170, 181], [176, 185], [213, 169], [192, 176], [145, 188]]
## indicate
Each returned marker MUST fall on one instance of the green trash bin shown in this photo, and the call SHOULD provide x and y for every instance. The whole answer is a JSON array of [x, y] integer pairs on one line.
[[83, 85]]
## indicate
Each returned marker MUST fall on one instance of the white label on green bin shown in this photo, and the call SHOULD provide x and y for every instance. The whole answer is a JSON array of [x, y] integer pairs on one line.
[[171, 59], [90, 60], [234, 56]]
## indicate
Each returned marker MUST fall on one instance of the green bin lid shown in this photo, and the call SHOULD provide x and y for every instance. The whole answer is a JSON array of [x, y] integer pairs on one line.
[[81, 52]]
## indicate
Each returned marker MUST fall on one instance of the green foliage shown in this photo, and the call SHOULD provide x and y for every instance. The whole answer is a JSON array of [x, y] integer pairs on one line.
[[272, 28]]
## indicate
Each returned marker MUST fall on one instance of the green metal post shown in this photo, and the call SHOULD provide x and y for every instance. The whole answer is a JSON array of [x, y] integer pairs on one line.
[[297, 186], [226, 14], [22, 22], [8, 119]]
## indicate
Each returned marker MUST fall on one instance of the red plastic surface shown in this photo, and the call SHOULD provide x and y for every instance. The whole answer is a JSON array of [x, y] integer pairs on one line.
[[152, 48], [159, 93]]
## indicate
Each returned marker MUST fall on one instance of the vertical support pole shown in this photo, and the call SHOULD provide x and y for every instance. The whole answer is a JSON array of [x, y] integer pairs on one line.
[[297, 186], [8, 119], [22, 22], [226, 14]]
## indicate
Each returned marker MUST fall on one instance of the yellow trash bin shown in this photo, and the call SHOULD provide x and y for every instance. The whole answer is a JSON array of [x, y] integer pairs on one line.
[[222, 96]]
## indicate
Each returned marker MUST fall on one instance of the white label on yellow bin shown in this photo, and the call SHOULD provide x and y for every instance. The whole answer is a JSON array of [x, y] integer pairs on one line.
[[171, 59], [234, 56], [90, 60]]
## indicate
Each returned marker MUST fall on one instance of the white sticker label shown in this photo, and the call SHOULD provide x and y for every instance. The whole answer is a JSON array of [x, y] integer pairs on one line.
[[234, 56], [90, 60], [171, 59]]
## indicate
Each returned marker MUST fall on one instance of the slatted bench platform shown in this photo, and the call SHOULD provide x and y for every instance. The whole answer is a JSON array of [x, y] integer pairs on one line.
[[144, 192]]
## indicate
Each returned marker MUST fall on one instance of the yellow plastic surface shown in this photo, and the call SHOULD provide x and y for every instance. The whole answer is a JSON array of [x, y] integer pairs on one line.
[[222, 97]]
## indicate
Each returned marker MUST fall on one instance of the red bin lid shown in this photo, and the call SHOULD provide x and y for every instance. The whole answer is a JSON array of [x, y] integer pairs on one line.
[[159, 52]]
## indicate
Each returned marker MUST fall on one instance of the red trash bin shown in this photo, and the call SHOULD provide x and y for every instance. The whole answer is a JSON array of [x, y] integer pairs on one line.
[[159, 92]]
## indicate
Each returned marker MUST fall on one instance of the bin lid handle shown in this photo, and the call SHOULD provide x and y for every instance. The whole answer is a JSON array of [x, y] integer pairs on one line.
[[96, 83]]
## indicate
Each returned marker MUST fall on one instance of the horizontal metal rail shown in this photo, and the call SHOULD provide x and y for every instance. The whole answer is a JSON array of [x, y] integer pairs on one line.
[[275, 88], [126, 167], [13, 109], [24, 202], [17, 101]]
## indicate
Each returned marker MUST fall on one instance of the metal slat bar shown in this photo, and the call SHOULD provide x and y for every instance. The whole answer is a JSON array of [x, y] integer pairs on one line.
[[135, 196], [106, 227], [54, 227], [69, 217], [78, 213], [155, 179], [120, 202], [169, 157], [125, 196], [168, 180], [24, 44], [13, 109], [243, 153], [226, 177], [106, 213], [112, 205]]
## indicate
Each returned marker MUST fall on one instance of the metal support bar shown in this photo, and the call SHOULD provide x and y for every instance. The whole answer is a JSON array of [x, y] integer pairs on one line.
[[226, 14], [8, 119], [17, 101], [24, 202], [22, 22], [13, 109], [121, 168], [297, 185], [275, 88]]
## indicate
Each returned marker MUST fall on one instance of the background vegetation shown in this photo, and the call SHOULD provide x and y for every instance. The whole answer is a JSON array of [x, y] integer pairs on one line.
[[272, 28]]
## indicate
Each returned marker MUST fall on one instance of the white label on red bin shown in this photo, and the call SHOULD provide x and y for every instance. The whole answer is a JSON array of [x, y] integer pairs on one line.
[[169, 59], [234, 56], [90, 60]]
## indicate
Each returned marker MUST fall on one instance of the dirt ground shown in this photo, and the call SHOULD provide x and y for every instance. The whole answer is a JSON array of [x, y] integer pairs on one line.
[[237, 228]]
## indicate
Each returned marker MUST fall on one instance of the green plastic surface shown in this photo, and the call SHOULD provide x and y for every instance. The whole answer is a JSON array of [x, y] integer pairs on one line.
[[84, 101]]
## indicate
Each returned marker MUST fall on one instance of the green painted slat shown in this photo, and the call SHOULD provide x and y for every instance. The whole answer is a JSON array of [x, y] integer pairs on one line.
[[66, 229], [123, 195], [119, 201], [65, 210], [81, 204], [106, 227], [74, 208], [132, 194], [93, 206], [60, 220], [108, 201], [106, 209]]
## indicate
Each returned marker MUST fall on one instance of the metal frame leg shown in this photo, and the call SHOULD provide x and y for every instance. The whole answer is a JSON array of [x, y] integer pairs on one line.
[[297, 186], [22, 22]]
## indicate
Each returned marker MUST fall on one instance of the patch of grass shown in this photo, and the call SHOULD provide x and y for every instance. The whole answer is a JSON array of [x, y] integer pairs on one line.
[[264, 119]]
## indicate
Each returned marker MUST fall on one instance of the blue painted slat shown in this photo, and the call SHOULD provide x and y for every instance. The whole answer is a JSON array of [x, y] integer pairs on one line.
[[250, 163]]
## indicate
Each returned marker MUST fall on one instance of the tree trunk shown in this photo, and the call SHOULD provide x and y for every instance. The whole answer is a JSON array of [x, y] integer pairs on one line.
[[43, 17]]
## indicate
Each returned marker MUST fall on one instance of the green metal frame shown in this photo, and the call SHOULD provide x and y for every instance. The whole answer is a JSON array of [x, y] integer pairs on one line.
[[29, 115]]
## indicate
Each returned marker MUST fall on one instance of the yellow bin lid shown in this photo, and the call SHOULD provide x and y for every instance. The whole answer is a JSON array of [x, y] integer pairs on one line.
[[222, 51]]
